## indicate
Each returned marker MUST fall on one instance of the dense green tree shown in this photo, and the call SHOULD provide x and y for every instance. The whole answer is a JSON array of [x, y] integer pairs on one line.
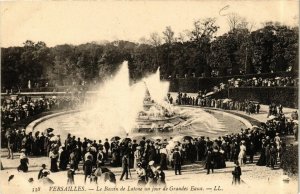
[[272, 48]]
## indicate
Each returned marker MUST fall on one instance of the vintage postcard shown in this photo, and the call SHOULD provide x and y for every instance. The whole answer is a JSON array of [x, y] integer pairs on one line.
[[149, 96]]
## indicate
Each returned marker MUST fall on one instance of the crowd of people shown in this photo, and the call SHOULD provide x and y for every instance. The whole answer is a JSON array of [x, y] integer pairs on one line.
[[258, 82], [151, 157], [248, 106], [16, 109]]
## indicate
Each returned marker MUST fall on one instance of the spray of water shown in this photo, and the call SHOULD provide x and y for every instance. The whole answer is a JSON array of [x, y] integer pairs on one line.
[[115, 107]]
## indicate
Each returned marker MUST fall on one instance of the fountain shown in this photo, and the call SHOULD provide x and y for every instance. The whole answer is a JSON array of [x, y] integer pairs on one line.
[[119, 108], [140, 108]]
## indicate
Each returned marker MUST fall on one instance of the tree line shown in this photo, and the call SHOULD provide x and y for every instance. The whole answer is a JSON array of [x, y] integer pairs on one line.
[[196, 52]]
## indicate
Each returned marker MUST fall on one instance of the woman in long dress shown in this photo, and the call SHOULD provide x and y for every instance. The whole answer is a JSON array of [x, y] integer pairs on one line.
[[63, 159], [163, 158], [242, 154], [53, 155], [137, 157], [222, 159], [262, 159]]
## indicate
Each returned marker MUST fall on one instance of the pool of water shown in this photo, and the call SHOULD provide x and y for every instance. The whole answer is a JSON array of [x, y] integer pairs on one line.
[[194, 122]]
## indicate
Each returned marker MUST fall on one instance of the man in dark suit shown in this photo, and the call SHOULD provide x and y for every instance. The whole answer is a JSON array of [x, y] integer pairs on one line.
[[209, 162], [88, 167], [237, 172], [106, 146], [124, 167], [177, 161], [143, 142]]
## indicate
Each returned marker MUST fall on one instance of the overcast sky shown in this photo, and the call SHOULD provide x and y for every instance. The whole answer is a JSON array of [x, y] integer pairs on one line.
[[76, 22]]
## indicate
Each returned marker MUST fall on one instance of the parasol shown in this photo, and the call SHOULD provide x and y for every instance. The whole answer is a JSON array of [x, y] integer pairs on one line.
[[187, 137], [49, 130], [115, 138], [126, 139]]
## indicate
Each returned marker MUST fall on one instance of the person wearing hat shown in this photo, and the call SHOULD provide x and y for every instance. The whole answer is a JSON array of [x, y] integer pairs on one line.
[[10, 136], [63, 158], [106, 147], [210, 161], [237, 172], [273, 155], [163, 157], [242, 153], [251, 152], [150, 176], [137, 156], [70, 175], [46, 180], [40, 175], [262, 159], [177, 161], [141, 174], [88, 167], [161, 177], [125, 167], [53, 155], [142, 142], [23, 162]]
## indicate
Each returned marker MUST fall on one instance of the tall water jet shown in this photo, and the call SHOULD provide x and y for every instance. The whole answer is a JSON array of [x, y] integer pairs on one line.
[[158, 89], [140, 109], [116, 105], [119, 108]]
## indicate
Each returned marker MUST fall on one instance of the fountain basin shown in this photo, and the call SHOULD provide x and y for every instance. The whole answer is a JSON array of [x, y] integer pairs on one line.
[[73, 122]]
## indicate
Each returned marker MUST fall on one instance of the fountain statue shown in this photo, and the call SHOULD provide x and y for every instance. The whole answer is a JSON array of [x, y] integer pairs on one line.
[[121, 108]]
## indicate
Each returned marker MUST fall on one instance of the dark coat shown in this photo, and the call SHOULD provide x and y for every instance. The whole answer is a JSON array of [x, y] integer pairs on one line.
[[237, 172], [88, 167], [177, 158], [124, 162]]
